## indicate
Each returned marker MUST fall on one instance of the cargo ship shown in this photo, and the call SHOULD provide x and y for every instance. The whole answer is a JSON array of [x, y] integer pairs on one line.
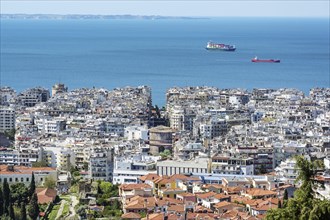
[[257, 60], [223, 47]]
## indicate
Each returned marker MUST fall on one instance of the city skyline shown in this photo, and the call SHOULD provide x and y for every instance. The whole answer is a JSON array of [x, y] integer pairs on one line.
[[241, 8]]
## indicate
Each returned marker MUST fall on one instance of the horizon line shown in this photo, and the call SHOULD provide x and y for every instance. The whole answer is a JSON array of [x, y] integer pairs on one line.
[[168, 16]]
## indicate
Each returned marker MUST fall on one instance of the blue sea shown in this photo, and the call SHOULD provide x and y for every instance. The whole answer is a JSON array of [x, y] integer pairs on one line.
[[165, 53]]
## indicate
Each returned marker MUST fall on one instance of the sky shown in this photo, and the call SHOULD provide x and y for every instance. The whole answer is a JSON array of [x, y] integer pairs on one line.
[[199, 8]]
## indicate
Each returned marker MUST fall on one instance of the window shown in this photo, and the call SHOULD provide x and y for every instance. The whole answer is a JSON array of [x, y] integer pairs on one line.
[[27, 179], [16, 179], [10, 179]]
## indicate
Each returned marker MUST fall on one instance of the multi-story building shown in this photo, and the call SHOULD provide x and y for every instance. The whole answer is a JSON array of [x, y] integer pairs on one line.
[[232, 165], [61, 158], [101, 164], [7, 118], [286, 172], [213, 128], [33, 96], [130, 169], [6, 95], [263, 158], [49, 125], [23, 155], [136, 133], [171, 167], [283, 151]]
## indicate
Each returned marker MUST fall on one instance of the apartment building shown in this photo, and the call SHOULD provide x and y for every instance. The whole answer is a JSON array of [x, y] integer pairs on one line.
[[7, 118]]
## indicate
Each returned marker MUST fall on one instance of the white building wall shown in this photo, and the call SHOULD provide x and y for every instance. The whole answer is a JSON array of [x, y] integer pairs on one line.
[[7, 118]]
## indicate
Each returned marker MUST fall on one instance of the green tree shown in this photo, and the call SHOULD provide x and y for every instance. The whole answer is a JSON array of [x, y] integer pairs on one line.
[[157, 111], [32, 187], [305, 204], [11, 211], [165, 154], [1, 202], [40, 164], [285, 195], [85, 166], [19, 193], [10, 134], [33, 208], [6, 196], [23, 211], [285, 198], [50, 183], [81, 211]]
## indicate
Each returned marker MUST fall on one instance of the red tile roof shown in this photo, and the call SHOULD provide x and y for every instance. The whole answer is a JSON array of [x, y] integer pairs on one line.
[[46, 195], [24, 170], [127, 187], [131, 215]]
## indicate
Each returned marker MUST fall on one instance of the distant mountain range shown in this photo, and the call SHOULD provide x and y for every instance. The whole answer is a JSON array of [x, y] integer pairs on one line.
[[83, 16]]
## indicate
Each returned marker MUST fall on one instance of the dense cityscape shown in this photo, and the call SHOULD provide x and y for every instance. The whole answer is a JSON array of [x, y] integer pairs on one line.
[[209, 153]]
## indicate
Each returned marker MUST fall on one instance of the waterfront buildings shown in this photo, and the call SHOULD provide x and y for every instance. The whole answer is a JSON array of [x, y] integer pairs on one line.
[[230, 139]]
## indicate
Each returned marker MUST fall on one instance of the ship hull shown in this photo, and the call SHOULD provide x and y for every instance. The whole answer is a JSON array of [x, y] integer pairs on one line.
[[265, 61], [221, 49]]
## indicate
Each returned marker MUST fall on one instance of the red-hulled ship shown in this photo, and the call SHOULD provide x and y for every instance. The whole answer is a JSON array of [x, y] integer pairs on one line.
[[256, 60]]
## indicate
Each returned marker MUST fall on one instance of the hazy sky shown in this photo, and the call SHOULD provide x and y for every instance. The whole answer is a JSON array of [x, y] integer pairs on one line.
[[281, 8]]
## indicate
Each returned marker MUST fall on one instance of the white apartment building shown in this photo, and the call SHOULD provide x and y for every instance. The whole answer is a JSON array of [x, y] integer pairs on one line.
[[61, 158], [129, 170], [7, 118], [286, 171], [6, 94], [48, 125], [101, 164], [282, 151], [81, 155], [136, 133], [171, 167], [232, 165], [24, 155], [176, 119], [213, 128], [114, 127]]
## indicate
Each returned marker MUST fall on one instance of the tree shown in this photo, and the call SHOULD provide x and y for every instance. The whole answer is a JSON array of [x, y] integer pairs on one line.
[[285, 198], [11, 211], [6, 196], [1, 202], [10, 134], [32, 188], [81, 211], [33, 208], [39, 164], [19, 193], [165, 154], [49, 183], [285, 195], [304, 204], [85, 166], [157, 111], [23, 211]]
